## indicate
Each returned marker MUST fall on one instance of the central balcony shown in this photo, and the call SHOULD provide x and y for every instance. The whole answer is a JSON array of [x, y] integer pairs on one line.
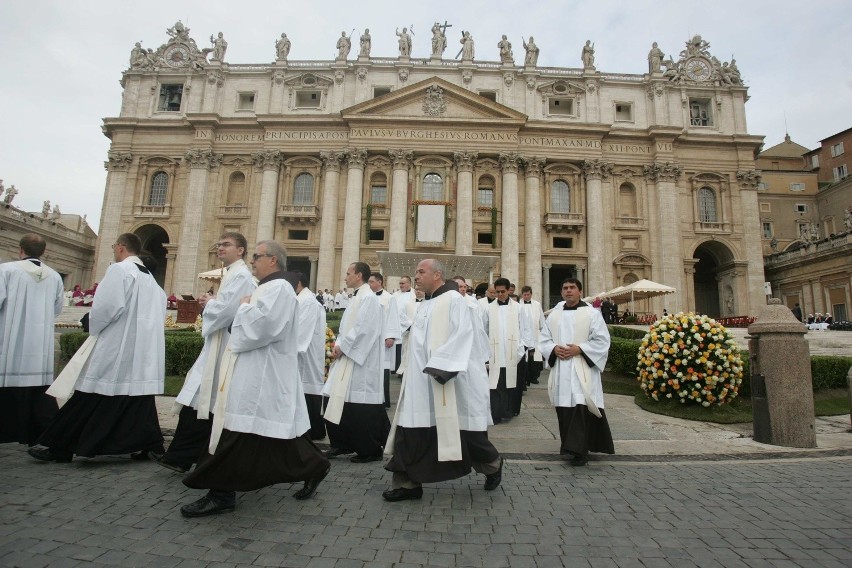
[[564, 222]]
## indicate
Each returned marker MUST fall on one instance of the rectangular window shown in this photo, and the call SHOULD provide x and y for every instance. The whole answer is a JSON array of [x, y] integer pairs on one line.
[[297, 234], [563, 242], [377, 235], [490, 95], [484, 238], [762, 186], [801, 208], [624, 112], [379, 91], [308, 99], [700, 113], [245, 101], [815, 161], [560, 106], [765, 208], [170, 98], [840, 172], [378, 195], [485, 197], [797, 187], [836, 149], [767, 230]]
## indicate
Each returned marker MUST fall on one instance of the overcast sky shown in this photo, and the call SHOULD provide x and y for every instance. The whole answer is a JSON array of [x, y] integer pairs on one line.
[[61, 61]]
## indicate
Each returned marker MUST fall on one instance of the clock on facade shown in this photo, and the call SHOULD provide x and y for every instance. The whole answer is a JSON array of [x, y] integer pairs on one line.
[[697, 69], [177, 56]]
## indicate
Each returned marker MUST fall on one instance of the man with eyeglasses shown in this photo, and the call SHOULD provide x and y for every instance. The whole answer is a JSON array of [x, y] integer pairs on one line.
[[198, 396], [260, 423]]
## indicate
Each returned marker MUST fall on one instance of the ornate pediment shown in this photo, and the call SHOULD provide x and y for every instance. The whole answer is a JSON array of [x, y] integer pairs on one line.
[[433, 99], [309, 81], [561, 88], [697, 66], [179, 53]]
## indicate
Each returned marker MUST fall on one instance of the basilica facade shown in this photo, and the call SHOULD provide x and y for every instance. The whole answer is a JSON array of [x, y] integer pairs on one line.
[[559, 172]]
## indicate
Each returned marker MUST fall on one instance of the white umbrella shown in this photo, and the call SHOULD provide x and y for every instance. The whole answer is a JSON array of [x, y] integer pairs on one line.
[[593, 296], [641, 289]]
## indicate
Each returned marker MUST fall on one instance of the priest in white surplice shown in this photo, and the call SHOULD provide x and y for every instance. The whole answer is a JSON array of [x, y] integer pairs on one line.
[[31, 297], [260, 422], [402, 296], [198, 395], [312, 325], [509, 336], [530, 365], [575, 343], [116, 374], [441, 425], [392, 330], [355, 416]]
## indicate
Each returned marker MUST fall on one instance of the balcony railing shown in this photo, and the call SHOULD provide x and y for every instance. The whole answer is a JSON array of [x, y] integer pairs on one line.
[[233, 211], [298, 214], [564, 222], [704, 227], [152, 210]]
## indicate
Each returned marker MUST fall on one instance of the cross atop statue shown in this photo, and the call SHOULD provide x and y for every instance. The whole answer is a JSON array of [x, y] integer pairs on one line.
[[444, 27]]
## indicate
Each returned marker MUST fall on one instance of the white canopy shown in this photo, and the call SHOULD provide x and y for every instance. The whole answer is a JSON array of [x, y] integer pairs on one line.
[[215, 275], [641, 289]]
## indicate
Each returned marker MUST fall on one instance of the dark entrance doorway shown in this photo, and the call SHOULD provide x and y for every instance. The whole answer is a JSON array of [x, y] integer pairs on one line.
[[153, 238], [558, 273], [711, 257]]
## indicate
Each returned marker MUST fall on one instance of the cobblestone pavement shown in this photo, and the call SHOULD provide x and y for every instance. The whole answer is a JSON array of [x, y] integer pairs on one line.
[[747, 513]]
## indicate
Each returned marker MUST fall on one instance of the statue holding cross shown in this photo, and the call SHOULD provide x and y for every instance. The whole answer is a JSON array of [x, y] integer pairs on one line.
[[439, 39]]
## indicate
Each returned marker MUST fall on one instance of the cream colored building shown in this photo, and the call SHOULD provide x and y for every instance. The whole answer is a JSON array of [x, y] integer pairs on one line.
[[564, 171]]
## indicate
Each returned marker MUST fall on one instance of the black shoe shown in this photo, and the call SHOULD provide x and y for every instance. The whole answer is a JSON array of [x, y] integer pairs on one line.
[[48, 455], [366, 459], [178, 467], [206, 506], [334, 452], [403, 494], [140, 456], [311, 485], [155, 455], [578, 461], [492, 480]]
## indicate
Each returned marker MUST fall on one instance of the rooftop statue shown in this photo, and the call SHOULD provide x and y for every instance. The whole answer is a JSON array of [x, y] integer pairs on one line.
[[366, 44], [439, 41], [344, 45], [531, 59], [220, 46], [282, 48], [10, 194], [655, 58], [45, 209], [404, 42], [588, 55], [467, 50], [505, 47]]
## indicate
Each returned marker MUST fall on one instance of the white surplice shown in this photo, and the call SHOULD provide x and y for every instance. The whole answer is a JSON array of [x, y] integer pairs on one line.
[[312, 324], [265, 394], [535, 317], [31, 297], [127, 318], [364, 346], [564, 385], [507, 340], [392, 328], [217, 317]]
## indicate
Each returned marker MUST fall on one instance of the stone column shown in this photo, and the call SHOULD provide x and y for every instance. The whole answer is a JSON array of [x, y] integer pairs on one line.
[[749, 180], [313, 278], [116, 165], [356, 160], [545, 287], [268, 161], [328, 220], [581, 276], [399, 199], [532, 225], [186, 272], [665, 176], [464, 201], [509, 163], [598, 265]]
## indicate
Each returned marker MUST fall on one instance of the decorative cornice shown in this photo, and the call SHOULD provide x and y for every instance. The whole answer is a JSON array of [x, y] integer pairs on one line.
[[267, 159], [356, 158], [465, 160], [749, 179], [203, 158], [596, 169], [401, 158], [331, 160], [534, 165], [118, 161], [662, 171], [509, 162]]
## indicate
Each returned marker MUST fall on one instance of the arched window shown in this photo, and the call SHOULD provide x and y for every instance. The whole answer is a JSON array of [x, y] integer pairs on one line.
[[560, 197], [378, 189], [303, 190], [159, 188], [707, 206], [485, 192], [627, 200], [433, 188], [237, 189]]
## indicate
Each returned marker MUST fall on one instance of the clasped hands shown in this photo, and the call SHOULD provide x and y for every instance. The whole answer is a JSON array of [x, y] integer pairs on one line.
[[567, 351]]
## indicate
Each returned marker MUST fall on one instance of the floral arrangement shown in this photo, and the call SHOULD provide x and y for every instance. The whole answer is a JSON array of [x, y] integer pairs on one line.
[[197, 325], [170, 322], [329, 346], [690, 357]]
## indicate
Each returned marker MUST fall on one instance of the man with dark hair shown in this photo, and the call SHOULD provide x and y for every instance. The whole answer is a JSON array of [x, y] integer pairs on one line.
[[575, 342], [355, 417], [260, 420], [532, 363], [197, 398], [31, 296], [441, 423], [391, 330], [404, 298], [508, 335], [312, 324], [115, 376]]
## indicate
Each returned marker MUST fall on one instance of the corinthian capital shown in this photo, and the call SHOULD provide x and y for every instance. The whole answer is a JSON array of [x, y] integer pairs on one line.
[[202, 158], [534, 165], [356, 158], [749, 179], [662, 171], [509, 162], [267, 159], [118, 161], [596, 169], [465, 160], [401, 158], [331, 160]]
